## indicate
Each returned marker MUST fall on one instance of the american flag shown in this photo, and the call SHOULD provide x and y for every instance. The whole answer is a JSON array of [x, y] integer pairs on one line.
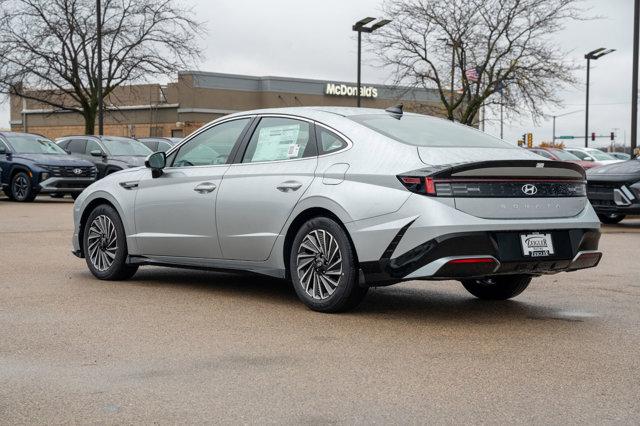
[[472, 74]]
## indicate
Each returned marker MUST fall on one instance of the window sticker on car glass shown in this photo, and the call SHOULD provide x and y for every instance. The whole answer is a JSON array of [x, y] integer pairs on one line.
[[293, 150], [275, 143]]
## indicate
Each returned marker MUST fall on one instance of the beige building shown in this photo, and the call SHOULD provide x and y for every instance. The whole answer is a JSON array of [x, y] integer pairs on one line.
[[178, 108]]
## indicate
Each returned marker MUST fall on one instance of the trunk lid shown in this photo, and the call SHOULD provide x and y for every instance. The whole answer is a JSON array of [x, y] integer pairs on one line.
[[502, 183]]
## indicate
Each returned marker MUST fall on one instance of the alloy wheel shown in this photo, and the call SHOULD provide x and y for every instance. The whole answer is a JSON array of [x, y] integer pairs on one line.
[[102, 242], [319, 264], [20, 187]]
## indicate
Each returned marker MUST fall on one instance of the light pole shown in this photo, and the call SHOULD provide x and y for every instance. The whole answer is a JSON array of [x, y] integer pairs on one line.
[[593, 55], [561, 115], [634, 78], [361, 27], [99, 59]]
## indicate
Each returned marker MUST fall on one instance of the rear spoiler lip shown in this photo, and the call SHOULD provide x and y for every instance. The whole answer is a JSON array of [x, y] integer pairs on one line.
[[447, 171]]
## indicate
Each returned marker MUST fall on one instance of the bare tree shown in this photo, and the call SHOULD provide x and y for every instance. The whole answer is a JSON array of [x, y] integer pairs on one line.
[[48, 48], [433, 43]]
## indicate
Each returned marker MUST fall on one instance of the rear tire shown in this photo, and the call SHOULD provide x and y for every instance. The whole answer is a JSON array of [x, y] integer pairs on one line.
[[21, 189], [105, 245], [611, 218], [497, 288], [323, 267]]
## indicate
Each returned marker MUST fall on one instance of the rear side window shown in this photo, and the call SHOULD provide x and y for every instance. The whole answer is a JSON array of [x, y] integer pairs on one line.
[[276, 139], [329, 141], [421, 130], [77, 146]]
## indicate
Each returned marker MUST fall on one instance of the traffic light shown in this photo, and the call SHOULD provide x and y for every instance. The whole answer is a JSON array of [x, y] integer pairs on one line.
[[613, 136], [529, 140], [520, 142], [593, 136]]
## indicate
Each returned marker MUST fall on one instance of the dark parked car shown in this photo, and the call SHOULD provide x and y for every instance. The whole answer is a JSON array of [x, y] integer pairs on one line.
[[109, 153], [614, 190], [32, 164], [156, 144]]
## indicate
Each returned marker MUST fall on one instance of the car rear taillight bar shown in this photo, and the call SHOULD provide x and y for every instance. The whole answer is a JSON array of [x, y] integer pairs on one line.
[[495, 188]]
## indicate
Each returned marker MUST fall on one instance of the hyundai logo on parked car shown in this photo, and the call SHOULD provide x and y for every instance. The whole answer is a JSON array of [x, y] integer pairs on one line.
[[529, 189], [77, 171]]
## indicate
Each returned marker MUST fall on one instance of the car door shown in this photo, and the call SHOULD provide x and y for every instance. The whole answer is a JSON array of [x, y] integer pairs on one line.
[[259, 192], [175, 213]]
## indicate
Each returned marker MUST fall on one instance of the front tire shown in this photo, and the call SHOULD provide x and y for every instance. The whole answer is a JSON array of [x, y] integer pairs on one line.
[[21, 189], [611, 218], [497, 288], [323, 267], [105, 245]]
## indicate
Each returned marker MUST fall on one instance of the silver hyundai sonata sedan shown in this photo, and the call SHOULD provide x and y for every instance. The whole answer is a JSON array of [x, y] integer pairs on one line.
[[338, 200]]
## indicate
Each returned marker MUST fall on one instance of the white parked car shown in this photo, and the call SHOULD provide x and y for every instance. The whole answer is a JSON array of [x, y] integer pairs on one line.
[[592, 154]]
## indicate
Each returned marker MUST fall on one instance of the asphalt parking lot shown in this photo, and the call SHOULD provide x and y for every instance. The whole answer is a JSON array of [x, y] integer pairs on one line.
[[179, 346]]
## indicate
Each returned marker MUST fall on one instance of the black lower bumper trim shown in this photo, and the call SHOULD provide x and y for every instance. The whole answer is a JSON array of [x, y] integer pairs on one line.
[[504, 246]]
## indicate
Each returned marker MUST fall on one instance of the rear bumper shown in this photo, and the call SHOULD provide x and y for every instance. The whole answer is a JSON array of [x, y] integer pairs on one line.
[[65, 184], [475, 254]]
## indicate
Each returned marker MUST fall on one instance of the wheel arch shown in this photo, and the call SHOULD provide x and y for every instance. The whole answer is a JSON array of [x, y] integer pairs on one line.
[[299, 220], [86, 211]]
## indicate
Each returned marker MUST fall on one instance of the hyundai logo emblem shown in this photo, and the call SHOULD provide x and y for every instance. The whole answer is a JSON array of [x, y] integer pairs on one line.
[[529, 189], [77, 171]]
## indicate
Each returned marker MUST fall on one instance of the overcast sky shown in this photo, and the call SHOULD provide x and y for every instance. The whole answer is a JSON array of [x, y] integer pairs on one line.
[[296, 38]]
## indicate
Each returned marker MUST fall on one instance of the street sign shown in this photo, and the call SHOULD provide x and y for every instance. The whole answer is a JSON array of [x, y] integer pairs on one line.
[[566, 137]]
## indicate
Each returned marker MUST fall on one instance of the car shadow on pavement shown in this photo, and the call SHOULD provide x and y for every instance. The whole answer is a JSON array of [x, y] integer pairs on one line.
[[440, 303], [240, 284]]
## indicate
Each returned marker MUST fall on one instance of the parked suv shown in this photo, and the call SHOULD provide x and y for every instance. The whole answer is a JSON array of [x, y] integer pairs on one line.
[[31, 164], [109, 153]]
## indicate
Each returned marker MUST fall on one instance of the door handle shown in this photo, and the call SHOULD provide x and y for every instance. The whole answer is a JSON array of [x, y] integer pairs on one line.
[[290, 185], [205, 187]]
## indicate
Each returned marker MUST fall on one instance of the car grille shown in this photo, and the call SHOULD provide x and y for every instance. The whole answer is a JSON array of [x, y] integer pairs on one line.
[[72, 171]]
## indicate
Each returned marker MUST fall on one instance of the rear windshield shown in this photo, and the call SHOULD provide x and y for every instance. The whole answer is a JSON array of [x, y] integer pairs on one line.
[[125, 146], [420, 130]]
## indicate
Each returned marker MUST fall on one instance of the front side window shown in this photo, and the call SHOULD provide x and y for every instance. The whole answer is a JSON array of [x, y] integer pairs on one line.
[[600, 156], [92, 146], [33, 144], [212, 146], [581, 155], [276, 139], [564, 155], [421, 130]]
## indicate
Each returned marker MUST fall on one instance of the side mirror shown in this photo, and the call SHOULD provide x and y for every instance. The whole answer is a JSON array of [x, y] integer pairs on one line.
[[588, 158], [156, 162], [97, 153]]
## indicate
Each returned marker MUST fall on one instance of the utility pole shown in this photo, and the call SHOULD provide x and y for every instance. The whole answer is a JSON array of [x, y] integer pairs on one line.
[[634, 79], [99, 48]]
